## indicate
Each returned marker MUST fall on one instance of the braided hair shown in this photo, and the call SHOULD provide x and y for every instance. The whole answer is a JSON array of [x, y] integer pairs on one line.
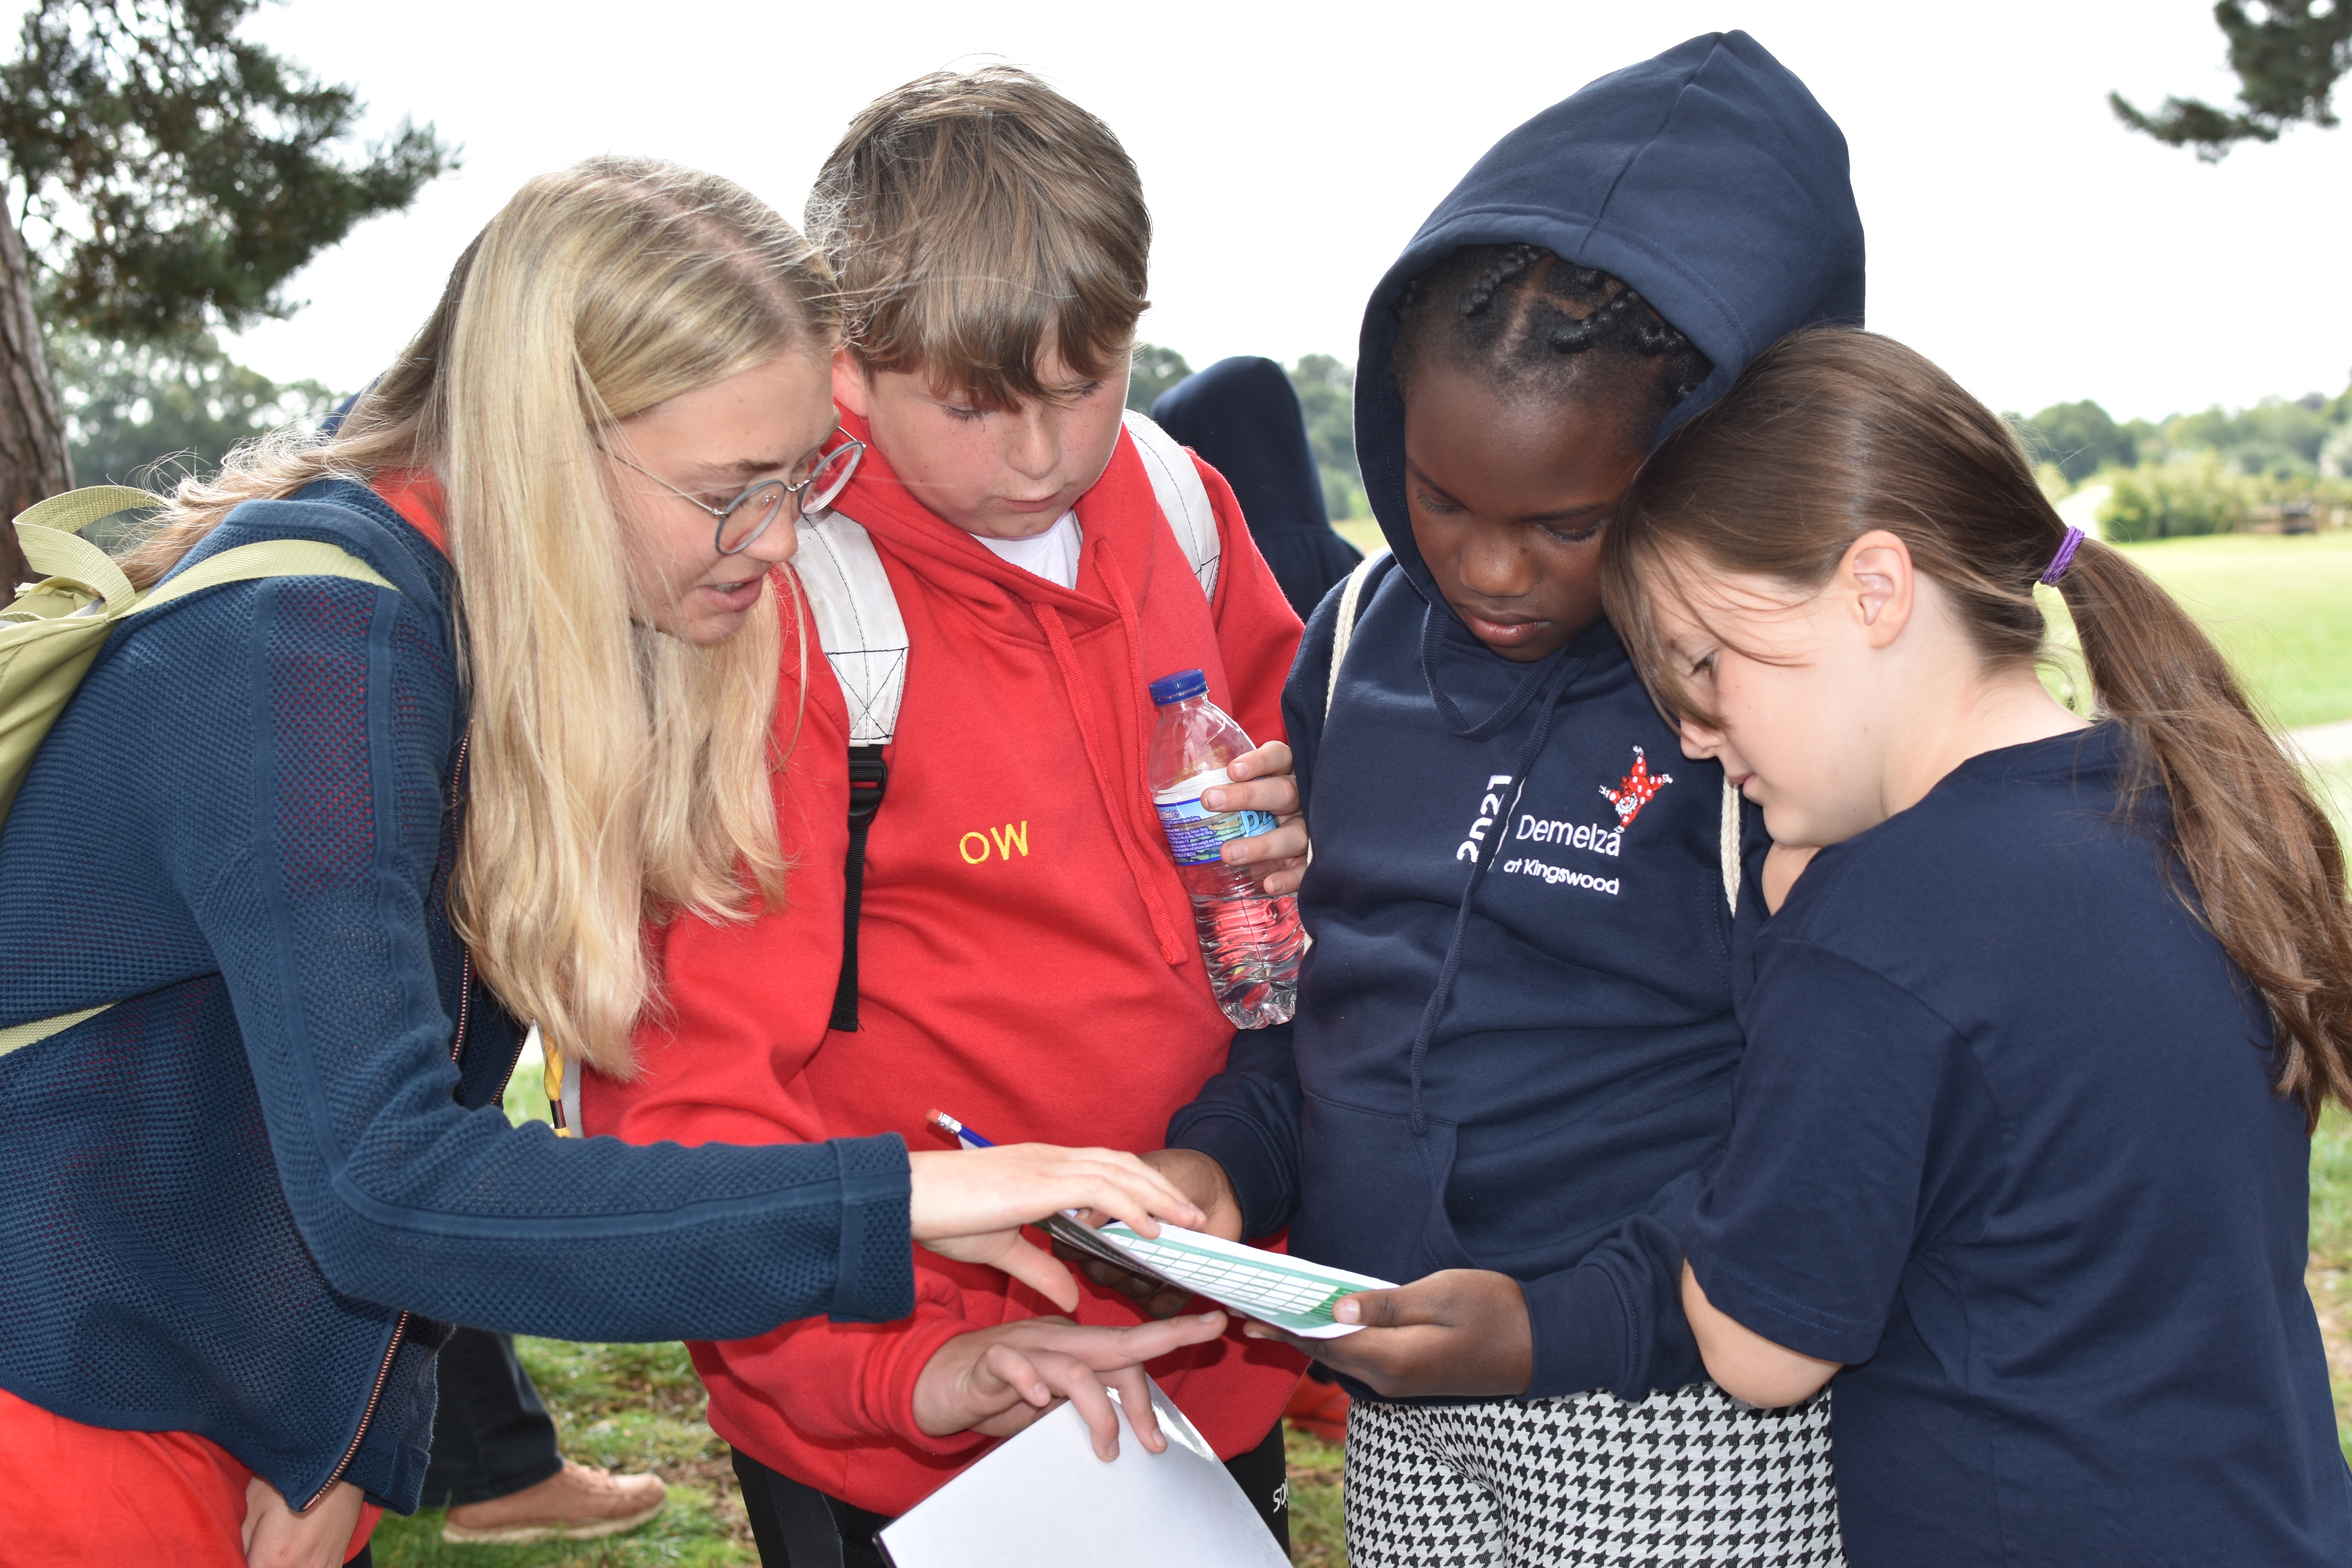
[[1539, 327]]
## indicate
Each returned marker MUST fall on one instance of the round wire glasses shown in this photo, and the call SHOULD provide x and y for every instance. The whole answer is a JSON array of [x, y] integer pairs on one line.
[[747, 517]]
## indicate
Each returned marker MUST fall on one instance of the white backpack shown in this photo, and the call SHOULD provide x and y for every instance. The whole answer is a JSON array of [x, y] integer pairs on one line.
[[864, 641]]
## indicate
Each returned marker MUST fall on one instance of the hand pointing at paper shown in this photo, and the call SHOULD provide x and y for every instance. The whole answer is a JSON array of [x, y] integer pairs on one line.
[[997, 1380]]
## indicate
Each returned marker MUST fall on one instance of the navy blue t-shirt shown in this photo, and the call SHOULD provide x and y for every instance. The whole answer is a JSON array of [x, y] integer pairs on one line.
[[2006, 1145]]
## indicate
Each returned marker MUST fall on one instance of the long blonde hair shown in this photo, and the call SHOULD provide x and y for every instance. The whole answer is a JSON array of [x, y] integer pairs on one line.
[[615, 774]]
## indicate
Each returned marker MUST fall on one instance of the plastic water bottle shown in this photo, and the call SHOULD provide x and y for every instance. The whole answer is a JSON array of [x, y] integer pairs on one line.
[[1250, 941]]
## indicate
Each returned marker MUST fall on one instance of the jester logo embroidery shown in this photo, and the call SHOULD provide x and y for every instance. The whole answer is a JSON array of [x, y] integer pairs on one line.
[[1633, 792]]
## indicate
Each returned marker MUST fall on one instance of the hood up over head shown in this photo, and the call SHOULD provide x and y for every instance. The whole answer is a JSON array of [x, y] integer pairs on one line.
[[1708, 179]]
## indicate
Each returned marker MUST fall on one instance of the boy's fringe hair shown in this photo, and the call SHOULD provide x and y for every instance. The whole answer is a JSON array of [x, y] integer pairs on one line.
[[978, 220], [615, 774], [1834, 431]]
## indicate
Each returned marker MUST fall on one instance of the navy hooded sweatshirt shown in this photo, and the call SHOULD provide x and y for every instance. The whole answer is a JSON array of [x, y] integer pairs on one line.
[[1535, 1083]]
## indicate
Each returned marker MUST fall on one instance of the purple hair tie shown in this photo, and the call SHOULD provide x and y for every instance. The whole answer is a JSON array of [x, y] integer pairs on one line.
[[2065, 558]]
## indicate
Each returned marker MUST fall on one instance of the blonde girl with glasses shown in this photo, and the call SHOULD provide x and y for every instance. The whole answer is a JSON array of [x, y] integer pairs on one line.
[[313, 851]]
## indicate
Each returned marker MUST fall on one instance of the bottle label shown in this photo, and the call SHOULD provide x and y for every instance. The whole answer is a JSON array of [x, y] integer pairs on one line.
[[1196, 834]]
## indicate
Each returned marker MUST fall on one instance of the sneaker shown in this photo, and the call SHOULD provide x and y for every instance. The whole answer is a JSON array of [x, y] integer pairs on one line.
[[579, 1502]]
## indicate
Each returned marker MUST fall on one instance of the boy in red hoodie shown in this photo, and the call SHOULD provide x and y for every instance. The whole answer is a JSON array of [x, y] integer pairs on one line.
[[1024, 954]]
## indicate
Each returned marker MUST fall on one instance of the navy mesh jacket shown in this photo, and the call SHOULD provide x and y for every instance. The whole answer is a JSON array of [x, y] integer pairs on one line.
[[244, 1200]]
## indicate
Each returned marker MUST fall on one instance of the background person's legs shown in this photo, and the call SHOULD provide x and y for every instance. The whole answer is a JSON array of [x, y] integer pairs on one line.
[[1264, 1476], [491, 1434], [496, 1465]]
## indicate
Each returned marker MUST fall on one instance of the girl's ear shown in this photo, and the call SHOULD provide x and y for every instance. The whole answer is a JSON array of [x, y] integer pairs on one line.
[[849, 388], [1877, 579]]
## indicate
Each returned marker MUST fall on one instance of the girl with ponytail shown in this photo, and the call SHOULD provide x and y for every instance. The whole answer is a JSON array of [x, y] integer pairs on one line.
[[306, 854], [2038, 1036]]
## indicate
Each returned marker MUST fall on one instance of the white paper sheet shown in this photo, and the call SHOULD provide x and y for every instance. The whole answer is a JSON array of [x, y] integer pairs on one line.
[[1043, 1498]]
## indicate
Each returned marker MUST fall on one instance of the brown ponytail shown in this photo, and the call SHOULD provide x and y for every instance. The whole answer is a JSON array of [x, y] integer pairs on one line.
[[2268, 869], [1834, 431]]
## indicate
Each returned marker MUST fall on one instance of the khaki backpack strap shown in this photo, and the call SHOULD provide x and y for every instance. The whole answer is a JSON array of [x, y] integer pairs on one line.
[[40, 1029], [266, 558], [60, 553], [76, 510]]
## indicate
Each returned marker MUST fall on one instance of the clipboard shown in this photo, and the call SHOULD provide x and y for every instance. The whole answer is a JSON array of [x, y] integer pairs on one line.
[[1043, 1497]]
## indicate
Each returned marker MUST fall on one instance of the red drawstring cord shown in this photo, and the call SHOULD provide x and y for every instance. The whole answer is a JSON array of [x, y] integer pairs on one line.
[[1172, 949]]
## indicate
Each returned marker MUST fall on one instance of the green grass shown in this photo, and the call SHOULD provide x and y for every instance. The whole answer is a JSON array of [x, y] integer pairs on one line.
[[2330, 1274], [2334, 785], [2280, 608], [1318, 1535], [1363, 533]]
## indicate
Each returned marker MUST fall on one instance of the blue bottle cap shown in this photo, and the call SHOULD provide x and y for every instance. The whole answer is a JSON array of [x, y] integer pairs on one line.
[[1176, 688]]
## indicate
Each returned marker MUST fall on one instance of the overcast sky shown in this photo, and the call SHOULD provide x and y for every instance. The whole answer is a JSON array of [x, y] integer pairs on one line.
[[2017, 232]]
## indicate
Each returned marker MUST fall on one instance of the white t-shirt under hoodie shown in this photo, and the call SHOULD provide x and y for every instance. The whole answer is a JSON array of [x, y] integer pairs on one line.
[[1053, 554]]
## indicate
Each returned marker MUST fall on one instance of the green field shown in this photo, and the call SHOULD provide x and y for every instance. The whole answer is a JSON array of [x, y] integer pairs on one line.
[[2281, 609], [2330, 1276]]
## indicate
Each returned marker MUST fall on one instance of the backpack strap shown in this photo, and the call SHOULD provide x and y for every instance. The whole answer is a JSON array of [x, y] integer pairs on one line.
[[76, 510], [865, 641], [1183, 499], [1351, 609], [857, 621], [40, 1029]]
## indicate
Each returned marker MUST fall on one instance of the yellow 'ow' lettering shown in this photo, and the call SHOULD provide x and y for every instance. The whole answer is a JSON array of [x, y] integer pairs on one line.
[[974, 846]]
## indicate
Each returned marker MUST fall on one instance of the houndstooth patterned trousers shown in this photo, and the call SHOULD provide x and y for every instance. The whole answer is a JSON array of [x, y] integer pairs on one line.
[[1689, 1478]]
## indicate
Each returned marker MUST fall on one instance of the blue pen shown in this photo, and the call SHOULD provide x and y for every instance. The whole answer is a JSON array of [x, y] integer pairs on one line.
[[946, 1123]]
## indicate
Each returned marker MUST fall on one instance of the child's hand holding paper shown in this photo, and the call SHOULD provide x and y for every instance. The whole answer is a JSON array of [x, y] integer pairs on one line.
[[1462, 1331]]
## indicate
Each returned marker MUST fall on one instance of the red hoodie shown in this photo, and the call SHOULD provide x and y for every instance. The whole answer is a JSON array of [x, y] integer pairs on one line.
[[1027, 955]]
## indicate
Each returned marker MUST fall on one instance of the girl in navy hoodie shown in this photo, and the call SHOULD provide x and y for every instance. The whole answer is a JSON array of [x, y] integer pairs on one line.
[[2037, 1041], [1516, 1039]]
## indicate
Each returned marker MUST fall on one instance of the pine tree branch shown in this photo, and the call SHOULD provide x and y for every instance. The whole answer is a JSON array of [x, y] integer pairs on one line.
[[2288, 61]]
